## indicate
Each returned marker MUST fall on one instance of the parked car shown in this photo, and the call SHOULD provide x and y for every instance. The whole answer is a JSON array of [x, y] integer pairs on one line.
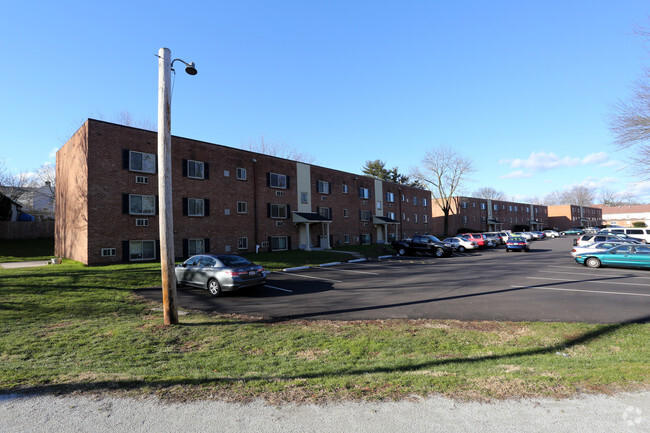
[[635, 232], [461, 244], [494, 238], [628, 256], [476, 237], [422, 244], [590, 239], [573, 231], [527, 235], [517, 243], [551, 234], [595, 247], [505, 236], [219, 273]]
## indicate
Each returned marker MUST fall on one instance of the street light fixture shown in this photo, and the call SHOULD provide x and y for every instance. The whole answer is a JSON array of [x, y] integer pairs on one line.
[[166, 217]]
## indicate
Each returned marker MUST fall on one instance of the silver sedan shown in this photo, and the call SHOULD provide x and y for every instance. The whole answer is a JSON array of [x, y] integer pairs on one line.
[[219, 273]]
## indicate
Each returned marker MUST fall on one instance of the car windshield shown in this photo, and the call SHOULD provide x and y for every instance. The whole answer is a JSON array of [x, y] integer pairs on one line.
[[234, 260], [515, 239], [433, 238]]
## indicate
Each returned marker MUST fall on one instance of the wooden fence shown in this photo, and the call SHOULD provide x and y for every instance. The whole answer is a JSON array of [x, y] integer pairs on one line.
[[27, 230]]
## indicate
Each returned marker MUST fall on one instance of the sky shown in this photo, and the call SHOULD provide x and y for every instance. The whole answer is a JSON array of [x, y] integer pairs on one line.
[[523, 88]]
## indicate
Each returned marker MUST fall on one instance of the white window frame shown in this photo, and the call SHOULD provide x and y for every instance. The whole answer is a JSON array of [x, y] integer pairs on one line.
[[365, 239], [242, 243], [346, 238], [415, 218], [364, 193], [280, 240], [425, 219], [391, 215], [390, 197], [192, 207], [144, 209], [325, 212], [193, 167], [279, 209], [195, 246], [366, 213], [242, 207], [147, 163], [344, 188], [133, 244], [415, 201], [109, 252], [346, 213], [278, 180], [241, 173], [323, 187], [424, 202]]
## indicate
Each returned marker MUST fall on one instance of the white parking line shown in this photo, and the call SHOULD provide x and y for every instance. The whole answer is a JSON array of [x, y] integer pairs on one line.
[[357, 272], [597, 274], [308, 276], [579, 290], [595, 282], [278, 288]]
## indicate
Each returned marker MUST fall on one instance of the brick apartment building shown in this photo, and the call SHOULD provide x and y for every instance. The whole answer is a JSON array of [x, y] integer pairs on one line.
[[566, 216], [224, 200], [480, 214]]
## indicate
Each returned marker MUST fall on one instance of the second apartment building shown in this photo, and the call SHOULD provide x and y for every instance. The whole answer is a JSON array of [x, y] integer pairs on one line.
[[224, 200]]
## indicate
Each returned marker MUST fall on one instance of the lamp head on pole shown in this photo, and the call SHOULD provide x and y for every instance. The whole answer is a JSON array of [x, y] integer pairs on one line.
[[190, 67]]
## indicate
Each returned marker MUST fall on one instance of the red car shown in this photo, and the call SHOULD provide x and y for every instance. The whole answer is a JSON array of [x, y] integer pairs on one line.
[[476, 237]]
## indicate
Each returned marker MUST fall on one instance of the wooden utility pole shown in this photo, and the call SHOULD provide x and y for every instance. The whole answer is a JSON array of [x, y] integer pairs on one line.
[[166, 216]]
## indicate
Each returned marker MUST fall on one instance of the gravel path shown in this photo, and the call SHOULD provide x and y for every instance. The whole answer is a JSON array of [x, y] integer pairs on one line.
[[626, 412]]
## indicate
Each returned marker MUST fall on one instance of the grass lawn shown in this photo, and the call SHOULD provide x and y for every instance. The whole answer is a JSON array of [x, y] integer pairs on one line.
[[70, 328]]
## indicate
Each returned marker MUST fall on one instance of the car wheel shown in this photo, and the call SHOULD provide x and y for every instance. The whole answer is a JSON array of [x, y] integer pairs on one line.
[[439, 252], [214, 288], [401, 252], [592, 262], [507, 250], [461, 249], [527, 249]]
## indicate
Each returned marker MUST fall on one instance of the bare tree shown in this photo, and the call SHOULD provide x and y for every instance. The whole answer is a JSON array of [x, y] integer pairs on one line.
[[630, 121], [443, 172], [553, 198], [489, 193], [281, 150], [13, 185], [579, 195], [615, 199]]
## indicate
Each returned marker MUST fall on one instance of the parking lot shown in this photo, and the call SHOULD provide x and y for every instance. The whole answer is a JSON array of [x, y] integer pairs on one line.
[[544, 284]]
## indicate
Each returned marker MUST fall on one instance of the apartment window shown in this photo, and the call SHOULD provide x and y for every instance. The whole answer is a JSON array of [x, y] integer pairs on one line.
[[109, 252], [415, 201], [242, 243], [279, 243], [365, 215], [242, 207], [364, 193], [424, 202], [277, 180], [325, 212], [141, 179], [345, 188], [279, 211], [390, 197], [463, 205], [143, 162], [464, 219], [415, 218], [378, 205], [510, 208], [365, 239], [496, 207], [324, 187], [346, 213], [195, 169], [241, 173], [516, 209], [346, 239], [483, 206], [142, 250], [403, 216], [141, 222], [391, 215], [195, 207], [142, 204], [425, 218], [195, 246], [304, 197]]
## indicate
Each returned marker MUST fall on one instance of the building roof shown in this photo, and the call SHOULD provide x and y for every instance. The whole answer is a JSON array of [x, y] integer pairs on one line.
[[639, 208]]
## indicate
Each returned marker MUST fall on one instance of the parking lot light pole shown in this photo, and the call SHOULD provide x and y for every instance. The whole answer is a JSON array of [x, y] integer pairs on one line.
[[166, 216]]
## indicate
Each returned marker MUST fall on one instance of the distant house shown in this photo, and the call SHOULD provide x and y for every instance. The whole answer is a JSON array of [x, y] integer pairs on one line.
[[566, 216], [625, 216], [10, 210]]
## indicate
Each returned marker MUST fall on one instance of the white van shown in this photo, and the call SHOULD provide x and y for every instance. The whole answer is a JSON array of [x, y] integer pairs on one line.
[[636, 232]]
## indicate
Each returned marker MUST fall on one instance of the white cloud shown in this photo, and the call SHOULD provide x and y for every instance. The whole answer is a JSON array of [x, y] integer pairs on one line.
[[519, 174], [543, 161]]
